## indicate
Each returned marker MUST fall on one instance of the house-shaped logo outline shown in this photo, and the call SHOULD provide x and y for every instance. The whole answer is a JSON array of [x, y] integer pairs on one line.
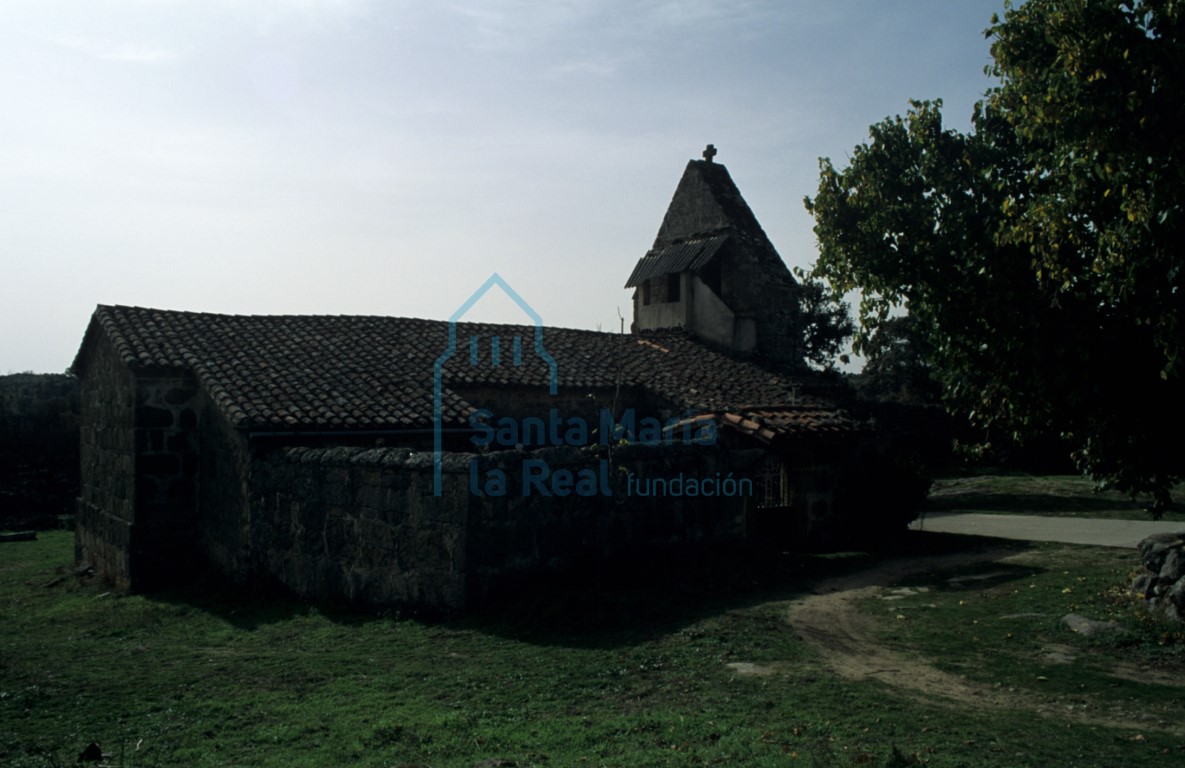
[[438, 366]]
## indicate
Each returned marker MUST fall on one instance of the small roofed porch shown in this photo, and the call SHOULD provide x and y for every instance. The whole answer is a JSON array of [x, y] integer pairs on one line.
[[807, 463]]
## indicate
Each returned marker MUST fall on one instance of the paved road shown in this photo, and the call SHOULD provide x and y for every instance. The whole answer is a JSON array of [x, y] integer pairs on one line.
[[1069, 530]]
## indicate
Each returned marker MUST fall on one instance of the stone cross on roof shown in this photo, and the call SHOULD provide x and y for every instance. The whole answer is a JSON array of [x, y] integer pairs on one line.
[[710, 152]]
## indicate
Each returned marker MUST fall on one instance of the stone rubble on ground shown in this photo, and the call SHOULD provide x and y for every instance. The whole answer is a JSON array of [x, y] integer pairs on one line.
[[1090, 627], [1163, 585]]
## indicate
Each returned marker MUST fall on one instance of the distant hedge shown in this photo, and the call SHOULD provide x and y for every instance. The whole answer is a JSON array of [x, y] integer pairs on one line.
[[39, 463]]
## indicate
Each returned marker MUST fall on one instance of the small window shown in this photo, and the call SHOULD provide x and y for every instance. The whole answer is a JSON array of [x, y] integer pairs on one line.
[[775, 486], [646, 293], [673, 285]]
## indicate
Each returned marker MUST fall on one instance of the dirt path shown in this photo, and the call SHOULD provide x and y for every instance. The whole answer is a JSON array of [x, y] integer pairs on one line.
[[845, 638]]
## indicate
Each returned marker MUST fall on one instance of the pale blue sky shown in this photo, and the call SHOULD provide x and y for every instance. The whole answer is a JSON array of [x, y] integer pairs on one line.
[[353, 157]]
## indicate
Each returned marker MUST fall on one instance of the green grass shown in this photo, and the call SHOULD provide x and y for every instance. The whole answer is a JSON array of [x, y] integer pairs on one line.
[[1002, 628], [1051, 495], [605, 670]]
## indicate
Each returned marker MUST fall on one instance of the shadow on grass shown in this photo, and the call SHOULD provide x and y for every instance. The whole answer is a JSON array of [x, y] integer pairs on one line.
[[591, 607], [639, 601], [244, 606], [1025, 503], [972, 578]]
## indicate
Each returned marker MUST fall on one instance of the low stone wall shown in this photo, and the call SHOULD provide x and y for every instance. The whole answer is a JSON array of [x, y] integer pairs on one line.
[[1163, 584], [359, 525], [103, 541], [365, 526], [568, 507]]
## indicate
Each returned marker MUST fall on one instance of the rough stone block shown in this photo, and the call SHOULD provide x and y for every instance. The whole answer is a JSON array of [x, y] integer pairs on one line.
[[1154, 549], [1143, 585], [1090, 627], [395, 457], [182, 489], [179, 395], [160, 464], [1173, 567], [1176, 594], [336, 489], [179, 442], [147, 489], [151, 417]]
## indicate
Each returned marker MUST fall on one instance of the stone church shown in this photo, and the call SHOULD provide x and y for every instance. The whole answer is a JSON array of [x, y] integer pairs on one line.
[[390, 460]]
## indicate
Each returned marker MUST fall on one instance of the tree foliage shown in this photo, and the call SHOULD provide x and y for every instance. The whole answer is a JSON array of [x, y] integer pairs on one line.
[[1039, 253], [824, 322], [39, 459], [895, 370]]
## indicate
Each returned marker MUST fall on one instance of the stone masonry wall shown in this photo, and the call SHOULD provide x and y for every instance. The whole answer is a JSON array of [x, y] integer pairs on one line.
[[136, 516], [359, 525], [363, 525], [526, 532], [106, 504], [166, 439], [224, 495]]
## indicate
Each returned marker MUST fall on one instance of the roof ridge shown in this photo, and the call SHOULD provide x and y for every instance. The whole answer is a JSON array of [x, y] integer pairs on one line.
[[277, 372], [317, 316]]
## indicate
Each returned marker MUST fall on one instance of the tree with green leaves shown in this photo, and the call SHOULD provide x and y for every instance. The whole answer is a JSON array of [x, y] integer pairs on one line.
[[1039, 254], [824, 323], [894, 369]]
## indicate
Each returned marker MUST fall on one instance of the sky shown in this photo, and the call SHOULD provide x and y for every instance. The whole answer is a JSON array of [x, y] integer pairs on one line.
[[384, 158]]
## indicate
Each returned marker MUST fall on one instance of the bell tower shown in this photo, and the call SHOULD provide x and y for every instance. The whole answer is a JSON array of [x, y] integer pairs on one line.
[[712, 272]]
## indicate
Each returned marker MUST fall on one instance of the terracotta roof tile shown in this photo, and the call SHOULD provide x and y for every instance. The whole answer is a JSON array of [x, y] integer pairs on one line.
[[773, 423], [673, 258], [355, 372]]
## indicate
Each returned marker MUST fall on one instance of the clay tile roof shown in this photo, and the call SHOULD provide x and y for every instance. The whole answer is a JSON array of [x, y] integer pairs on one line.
[[289, 372], [776, 423], [707, 219], [693, 254], [815, 417]]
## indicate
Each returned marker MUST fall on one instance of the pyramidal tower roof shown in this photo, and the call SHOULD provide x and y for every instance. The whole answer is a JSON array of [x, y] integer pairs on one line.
[[706, 213], [707, 202]]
